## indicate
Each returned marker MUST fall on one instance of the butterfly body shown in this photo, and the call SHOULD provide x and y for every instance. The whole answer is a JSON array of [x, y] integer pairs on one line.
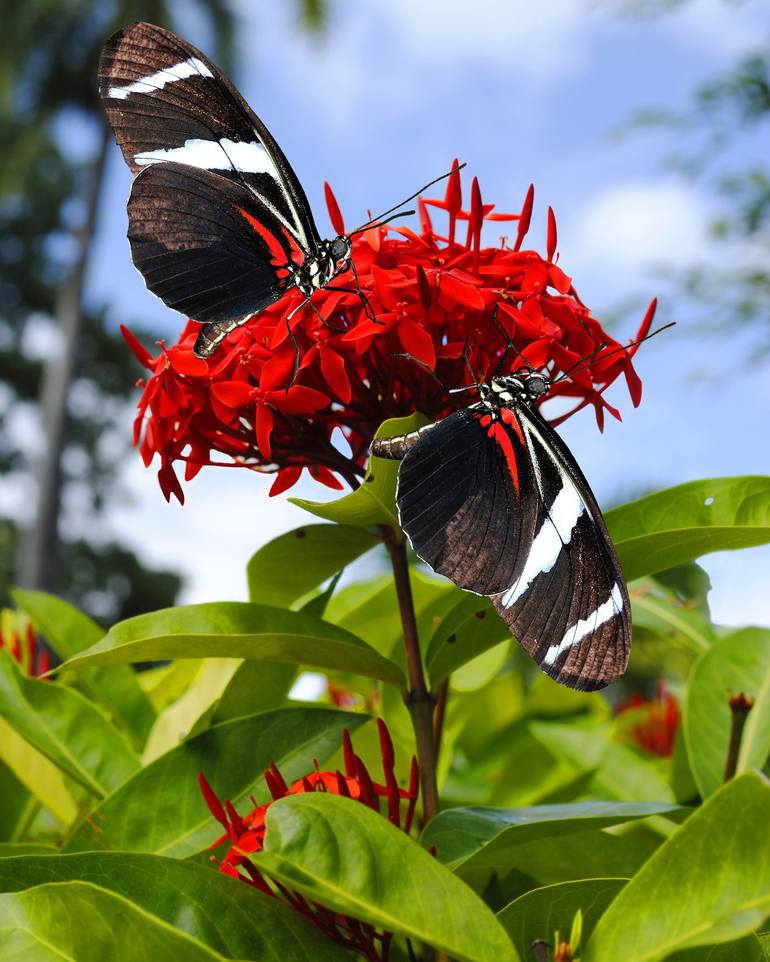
[[491, 497]]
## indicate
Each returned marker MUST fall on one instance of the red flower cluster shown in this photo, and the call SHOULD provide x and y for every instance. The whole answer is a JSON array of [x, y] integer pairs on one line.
[[18, 637], [445, 308], [657, 732], [246, 835]]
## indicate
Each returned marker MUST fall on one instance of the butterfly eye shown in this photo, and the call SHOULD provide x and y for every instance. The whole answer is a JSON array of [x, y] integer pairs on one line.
[[340, 248]]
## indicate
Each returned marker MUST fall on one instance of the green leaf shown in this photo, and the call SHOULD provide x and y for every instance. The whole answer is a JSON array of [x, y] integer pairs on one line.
[[177, 721], [11, 850], [39, 775], [256, 686], [584, 855], [536, 914], [721, 853], [66, 728], [736, 663], [161, 810], [374, 502], [670, 618], [296, 562], [340, 853], [226, 915], [16, 801], [682, 523], [69, 632], [80, 922], [470, 837], [748, 949], [621, 772], [469, 629], [238, 630]]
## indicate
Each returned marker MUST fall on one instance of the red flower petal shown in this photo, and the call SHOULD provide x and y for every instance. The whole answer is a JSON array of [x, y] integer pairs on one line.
[[139, 351], [286, 478], [298, 400], [335, 375], [334, 210], [325, 476], [234, 394], [417, 342], [264, 427], [185, 362]]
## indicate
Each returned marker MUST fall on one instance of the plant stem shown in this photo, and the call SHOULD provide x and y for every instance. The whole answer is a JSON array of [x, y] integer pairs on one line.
[[418, 698], [740, 706]]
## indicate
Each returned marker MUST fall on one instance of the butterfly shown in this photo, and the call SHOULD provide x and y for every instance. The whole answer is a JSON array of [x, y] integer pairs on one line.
[[492, 498], [219, 225]]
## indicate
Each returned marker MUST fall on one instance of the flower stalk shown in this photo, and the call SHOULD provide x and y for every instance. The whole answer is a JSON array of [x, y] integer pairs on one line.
[[418, 697], [740, 706]]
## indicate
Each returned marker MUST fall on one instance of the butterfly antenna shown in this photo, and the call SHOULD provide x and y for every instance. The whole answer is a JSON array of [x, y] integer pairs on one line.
[[474, 380], [397, 207], [380, 222], [617, 350], [509, 345], [422, 365]]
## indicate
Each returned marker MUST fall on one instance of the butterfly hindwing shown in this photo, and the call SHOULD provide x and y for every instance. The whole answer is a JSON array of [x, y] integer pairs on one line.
[[498, 505], [568, 605], [463, 499], [193, 238], [167, 102]]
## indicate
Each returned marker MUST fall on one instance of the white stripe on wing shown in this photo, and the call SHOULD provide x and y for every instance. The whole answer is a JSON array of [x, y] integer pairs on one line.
[[555, 532], [224, 154], [587, 626], [192, 67]]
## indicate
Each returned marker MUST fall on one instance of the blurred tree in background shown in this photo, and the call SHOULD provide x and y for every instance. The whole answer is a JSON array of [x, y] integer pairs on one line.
[[65, 375], [728, 111]]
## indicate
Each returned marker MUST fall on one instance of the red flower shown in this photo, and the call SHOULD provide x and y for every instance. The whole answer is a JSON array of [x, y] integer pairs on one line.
[[656, 733], [246, 835], [274, 400], [18, 637]]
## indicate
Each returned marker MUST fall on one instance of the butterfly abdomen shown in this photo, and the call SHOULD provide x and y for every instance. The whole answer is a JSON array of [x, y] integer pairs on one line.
[[395, 448]]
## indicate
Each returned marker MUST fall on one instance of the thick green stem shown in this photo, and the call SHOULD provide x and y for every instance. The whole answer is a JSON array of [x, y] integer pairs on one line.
[[418, 698]]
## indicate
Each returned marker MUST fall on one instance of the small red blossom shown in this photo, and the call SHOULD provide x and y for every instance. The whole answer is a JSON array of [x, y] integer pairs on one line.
[[657, 732], [18, 638], [246, 835], [443, 306]]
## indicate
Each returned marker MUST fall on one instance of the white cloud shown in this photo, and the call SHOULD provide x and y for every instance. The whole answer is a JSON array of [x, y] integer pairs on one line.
[[226, 517], [636, 223], [542, 40]]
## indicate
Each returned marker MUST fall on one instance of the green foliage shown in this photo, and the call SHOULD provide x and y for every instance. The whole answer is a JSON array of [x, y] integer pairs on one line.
[[234, 920], [237, 630], [343, 855], [374, 502], [738, 662], [680, 524], [727, 894], [160, 810], [555, 816], [296, 562]]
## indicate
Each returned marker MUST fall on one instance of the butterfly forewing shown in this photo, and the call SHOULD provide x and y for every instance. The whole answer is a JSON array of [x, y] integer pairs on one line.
[[497, 504], [167, 102]]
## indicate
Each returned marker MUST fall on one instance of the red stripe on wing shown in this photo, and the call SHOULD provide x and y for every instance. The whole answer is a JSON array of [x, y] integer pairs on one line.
[[274, 246], [496, 431]]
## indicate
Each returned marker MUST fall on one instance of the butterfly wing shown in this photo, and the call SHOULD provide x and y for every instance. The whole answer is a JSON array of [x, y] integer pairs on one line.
[[568, 605], [500, 507], [194, 237], [460, 491], [166, 101]]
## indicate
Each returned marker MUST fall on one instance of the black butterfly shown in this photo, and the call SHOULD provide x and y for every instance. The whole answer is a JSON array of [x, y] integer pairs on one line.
[[491, 497], [219, 224]]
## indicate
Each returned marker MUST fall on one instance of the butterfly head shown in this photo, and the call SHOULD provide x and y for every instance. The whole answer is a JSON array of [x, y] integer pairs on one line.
[[340, 249], [525, 384]]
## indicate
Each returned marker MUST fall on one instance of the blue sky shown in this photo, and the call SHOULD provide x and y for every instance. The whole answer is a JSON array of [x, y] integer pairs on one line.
[[522, 92]]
